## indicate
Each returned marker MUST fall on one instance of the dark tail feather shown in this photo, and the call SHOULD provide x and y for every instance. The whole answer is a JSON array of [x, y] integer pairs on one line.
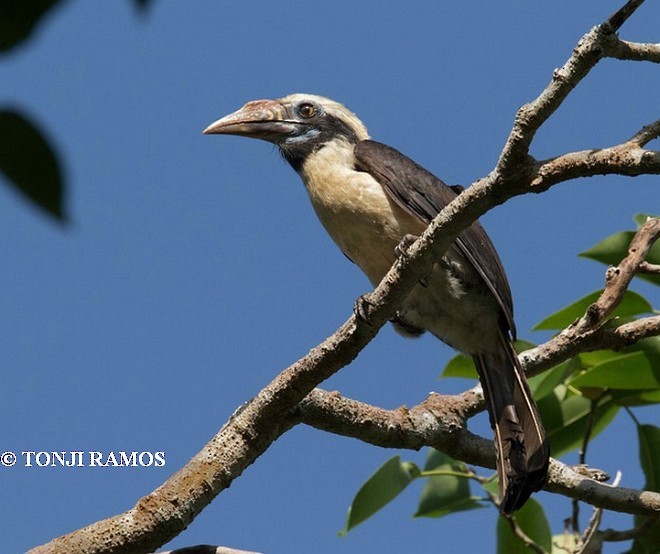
[[522, 447]]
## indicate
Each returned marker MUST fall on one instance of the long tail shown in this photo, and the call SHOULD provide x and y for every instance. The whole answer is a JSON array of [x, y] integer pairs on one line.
[[523, 452]]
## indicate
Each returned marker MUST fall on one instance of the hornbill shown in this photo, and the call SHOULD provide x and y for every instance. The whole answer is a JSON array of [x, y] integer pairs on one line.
[[373, 201]]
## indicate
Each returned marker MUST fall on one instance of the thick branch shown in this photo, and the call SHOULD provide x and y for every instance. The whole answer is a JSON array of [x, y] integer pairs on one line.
[[432, 424]]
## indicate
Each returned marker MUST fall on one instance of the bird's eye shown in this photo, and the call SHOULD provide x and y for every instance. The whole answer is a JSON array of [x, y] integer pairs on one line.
[[307, 110]]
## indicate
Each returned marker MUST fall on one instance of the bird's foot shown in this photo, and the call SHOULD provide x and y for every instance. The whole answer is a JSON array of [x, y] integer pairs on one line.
[[401, 249], [362, 307]]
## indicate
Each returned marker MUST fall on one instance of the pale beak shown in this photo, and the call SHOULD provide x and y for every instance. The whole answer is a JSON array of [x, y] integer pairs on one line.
[[263, 119]]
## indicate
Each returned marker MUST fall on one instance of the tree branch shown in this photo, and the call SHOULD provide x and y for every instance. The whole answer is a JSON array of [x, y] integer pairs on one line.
[[161, 515], [529, 118], [207, 549], [635, 51], [628, 158], [618, 18], [433, 423]]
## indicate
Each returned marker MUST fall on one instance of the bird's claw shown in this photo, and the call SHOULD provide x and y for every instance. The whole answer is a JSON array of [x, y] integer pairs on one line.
[[401, 249], [362, 307]]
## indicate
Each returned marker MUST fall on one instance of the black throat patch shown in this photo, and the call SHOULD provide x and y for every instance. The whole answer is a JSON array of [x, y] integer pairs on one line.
[[319, 132]]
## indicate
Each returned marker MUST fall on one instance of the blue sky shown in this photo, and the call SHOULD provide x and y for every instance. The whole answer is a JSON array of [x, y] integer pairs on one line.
[[193, 269]]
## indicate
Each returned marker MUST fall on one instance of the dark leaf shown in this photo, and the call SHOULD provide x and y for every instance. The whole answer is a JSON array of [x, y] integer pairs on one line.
[[18, 19], [649, 455], [635, 397], [142, 4], [30, 164]]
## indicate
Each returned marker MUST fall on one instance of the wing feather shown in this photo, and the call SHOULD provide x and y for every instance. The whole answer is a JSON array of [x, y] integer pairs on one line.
[[423, 195]]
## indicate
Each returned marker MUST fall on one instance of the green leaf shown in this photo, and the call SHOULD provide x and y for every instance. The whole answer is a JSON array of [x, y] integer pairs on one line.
[[531, 519], [610, 250], [30, 164], [591, 359], [566, 417], [631, 304], [19, 18], [463, 366], [650, 347], [445, 494], [460, 366], [614, 248], [635, 397], [649, 455], [623, 371], [543, 384], [640, 219], [380, 489], [652, 397]]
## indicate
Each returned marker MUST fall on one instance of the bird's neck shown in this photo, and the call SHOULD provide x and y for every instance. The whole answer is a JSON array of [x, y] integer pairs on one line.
[[354, 208], [330, 176]]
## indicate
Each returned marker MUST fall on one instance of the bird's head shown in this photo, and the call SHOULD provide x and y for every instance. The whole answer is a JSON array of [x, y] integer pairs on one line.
[[299, 124]]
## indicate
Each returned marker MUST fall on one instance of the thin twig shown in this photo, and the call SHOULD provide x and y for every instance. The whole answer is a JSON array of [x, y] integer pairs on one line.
[[206, 549], [634, 51], [650, 269], [647, 133], [582, 456], [618, 18], [612, 535], [592, 539]]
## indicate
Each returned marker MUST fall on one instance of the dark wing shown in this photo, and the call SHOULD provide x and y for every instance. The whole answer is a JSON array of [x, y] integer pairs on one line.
[[423, 195]]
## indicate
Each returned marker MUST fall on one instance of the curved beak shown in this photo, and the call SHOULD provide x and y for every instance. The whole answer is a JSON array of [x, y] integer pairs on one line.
[[263, 119]]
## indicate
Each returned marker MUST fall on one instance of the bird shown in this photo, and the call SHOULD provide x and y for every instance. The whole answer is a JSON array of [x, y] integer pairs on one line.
[[374, 202]]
